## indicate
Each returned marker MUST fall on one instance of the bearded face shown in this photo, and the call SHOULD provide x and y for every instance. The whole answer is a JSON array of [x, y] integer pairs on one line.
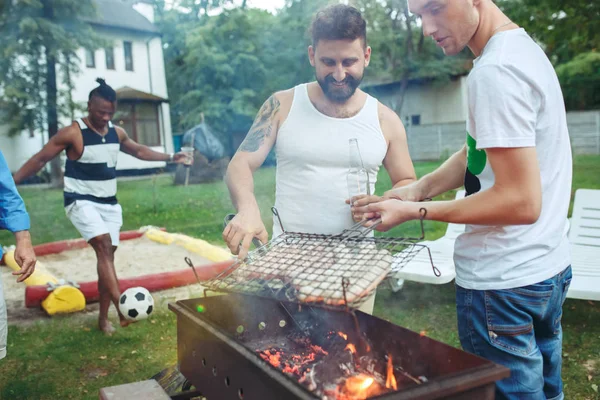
[[339, 66]]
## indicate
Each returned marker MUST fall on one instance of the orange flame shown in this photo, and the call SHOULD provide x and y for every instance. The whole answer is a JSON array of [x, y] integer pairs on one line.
[[390, 380], [367, 382], [342, 334], [356, 387], [351, 347]]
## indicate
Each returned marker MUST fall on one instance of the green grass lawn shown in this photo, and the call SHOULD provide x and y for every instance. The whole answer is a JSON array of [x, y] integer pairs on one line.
[[67, 358]]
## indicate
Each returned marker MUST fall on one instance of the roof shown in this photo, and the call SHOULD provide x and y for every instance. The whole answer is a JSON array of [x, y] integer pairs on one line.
[[129, 94], [372, 83], [120, 14]]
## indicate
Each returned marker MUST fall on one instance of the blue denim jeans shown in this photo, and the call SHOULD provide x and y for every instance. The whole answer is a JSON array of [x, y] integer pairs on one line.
[[519, 328]]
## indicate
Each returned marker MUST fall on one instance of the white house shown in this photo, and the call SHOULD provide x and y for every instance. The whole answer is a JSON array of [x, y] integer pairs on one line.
[[426, 102], [134, 67], [434, 113]]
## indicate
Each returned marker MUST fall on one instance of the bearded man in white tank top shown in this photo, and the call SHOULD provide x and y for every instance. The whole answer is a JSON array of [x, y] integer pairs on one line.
[[310, 126]]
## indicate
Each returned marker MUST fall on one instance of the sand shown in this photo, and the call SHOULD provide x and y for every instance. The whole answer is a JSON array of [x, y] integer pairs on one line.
[[133, 258]]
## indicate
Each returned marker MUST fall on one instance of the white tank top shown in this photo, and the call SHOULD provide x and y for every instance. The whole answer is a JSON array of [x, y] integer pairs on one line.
[[312, 164]]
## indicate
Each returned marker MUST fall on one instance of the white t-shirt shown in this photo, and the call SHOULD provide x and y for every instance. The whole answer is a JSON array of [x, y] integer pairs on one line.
[[515, 100]]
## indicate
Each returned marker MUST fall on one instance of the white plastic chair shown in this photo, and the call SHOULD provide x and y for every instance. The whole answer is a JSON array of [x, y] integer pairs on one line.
[[442, 253], [584, 236]]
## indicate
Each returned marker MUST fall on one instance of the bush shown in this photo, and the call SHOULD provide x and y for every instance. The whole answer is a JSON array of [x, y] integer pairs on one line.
[[580, 81]]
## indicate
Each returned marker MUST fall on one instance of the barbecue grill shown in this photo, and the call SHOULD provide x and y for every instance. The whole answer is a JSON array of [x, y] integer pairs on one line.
[[288, 328], [224, 344]]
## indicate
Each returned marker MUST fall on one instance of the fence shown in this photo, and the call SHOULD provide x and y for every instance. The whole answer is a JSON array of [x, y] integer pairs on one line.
[[432, 142]]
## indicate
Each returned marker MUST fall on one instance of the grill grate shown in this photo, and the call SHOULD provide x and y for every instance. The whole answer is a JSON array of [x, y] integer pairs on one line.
[[328, 270]]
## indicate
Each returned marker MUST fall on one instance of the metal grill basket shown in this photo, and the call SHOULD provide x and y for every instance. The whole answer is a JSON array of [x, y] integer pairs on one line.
[[327, 270]]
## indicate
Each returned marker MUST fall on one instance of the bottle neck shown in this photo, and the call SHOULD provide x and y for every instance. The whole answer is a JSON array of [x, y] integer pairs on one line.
[[355, 157]]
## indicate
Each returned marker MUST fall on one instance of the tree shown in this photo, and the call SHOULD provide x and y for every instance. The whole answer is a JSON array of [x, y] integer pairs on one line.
[[286, 44], [224, 66], [565, 28], [37, 37], [196, 9], [176, 23], [400, 51], [568, 32], [216, 68], [580, 79]]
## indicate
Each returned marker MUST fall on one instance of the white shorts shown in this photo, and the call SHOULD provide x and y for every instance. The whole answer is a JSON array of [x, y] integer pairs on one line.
[[95, 219]]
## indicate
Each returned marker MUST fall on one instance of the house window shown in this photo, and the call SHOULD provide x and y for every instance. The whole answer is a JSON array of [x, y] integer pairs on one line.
[[128, 56], [415, 119], [110, 58], [140, 121], [147, 131], [90, 58]]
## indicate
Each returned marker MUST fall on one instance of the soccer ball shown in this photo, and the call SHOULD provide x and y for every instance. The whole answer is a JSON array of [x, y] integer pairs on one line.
[[136, 303]]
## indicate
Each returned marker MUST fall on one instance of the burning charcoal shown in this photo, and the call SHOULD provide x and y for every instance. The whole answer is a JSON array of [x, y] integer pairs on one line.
[[316, 359], [329, 371], [308, 380], [368, 363], [330, 392]]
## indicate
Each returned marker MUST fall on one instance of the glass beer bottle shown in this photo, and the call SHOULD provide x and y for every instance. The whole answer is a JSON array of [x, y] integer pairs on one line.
[[357, 177]]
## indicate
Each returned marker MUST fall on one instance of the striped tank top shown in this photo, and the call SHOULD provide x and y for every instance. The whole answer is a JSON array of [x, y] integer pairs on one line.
[[93, 176]]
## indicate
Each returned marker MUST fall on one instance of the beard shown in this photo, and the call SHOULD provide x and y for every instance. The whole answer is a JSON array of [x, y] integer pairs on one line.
[[339, 94]]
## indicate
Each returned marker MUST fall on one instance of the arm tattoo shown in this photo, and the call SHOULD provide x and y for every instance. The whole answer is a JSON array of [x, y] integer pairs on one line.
[[262, 126]]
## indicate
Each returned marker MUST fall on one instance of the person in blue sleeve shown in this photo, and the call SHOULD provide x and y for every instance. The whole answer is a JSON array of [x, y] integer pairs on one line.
[[14, 218]]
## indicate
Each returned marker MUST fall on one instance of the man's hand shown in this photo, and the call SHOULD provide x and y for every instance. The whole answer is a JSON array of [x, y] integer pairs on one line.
[[180, 158], [411, 192], [359, 201], [242, 229], [24, 255], [392, 212]]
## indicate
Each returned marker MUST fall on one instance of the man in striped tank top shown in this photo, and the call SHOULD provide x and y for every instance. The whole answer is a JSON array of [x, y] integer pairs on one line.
[[310, 126], [90, 184]]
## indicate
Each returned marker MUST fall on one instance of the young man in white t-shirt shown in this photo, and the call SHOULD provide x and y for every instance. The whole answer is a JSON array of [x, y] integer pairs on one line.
[[512, 262]]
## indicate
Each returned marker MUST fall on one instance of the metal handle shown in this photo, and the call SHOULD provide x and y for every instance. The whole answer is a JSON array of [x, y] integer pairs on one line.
[[358, 229], [190, 264]]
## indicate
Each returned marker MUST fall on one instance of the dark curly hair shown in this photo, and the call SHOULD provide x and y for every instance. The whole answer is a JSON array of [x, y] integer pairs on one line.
[[339, 22], [104, 91]]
